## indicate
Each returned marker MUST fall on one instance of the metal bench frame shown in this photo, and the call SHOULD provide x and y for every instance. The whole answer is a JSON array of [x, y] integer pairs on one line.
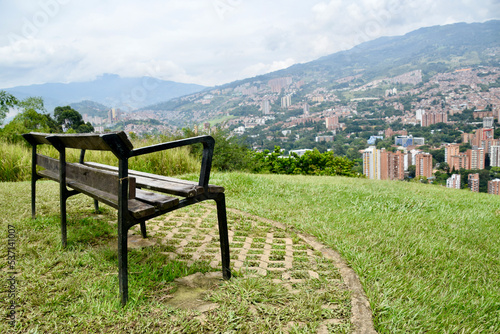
[[131, 211]]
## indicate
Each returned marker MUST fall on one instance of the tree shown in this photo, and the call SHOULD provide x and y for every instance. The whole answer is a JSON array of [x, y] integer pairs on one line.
[[411, 171], [68, 118], [33, 117], [6, 100]]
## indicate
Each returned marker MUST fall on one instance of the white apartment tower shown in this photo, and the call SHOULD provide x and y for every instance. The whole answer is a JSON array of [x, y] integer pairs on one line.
[[371, 163], [453, 181]]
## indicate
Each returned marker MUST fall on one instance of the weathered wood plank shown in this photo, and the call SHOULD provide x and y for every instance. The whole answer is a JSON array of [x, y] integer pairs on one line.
[[185, 189], [93, 177], [89, 141], [211, 187], [47, 163], [136, 208], [160, 201]]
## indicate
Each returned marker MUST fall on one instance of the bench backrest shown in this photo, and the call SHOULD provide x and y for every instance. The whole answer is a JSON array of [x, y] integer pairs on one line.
[[84, 141], [106, 181]]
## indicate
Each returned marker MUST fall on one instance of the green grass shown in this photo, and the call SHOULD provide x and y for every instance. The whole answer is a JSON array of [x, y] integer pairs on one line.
[[75, 290], [428, 257], [15, 164]]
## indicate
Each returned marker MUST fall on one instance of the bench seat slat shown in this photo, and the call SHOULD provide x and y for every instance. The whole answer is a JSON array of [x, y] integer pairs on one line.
[[211, 188], [161, 202]]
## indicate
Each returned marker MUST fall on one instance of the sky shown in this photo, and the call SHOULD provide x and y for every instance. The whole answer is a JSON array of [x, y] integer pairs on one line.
[[207, 42]]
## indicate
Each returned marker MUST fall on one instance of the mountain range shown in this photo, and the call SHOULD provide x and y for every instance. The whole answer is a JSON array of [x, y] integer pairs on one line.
[[108, 90]]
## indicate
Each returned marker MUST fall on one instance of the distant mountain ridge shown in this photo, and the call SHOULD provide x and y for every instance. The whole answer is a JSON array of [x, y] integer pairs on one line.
[[428, 49], [110, 90]]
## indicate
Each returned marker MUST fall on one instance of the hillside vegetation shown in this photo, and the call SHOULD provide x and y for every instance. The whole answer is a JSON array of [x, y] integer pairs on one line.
[[428, 257]]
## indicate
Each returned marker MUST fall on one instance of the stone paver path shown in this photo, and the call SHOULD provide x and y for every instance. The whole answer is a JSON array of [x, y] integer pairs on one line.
[[258, 247]]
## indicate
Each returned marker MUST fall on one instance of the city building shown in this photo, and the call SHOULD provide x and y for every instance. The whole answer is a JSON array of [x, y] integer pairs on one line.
[[453, 181], [429, 118], [495, 156], [488, 122], [475, 158], [449, 151], [371, 163], [406, 141], [423, 164], [494, 187], [306, 108], [319, 139], [473, 182], [390, 132], [392, 165], [480, 135], [286, 101], [300, 152], [459, 161], [266, 107], [373, 139], [278, 84], [332, 123]]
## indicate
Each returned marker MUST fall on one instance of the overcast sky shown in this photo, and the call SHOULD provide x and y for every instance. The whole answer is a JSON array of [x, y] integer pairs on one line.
[[208, 42]]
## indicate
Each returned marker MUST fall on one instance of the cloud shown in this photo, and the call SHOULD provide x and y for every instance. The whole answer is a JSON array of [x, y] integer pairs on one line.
[[207, 42]]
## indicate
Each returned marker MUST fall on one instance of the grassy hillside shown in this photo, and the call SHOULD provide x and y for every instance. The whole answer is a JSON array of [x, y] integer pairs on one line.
[[428, 257]]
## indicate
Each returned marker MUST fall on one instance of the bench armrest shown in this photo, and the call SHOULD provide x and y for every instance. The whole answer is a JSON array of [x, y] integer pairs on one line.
[[206, 162]]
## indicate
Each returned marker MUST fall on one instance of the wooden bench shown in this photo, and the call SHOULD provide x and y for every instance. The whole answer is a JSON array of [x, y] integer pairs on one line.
[[124, 189]]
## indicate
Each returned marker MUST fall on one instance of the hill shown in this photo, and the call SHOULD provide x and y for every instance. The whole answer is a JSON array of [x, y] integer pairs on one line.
[[429, 51], [109, 89]]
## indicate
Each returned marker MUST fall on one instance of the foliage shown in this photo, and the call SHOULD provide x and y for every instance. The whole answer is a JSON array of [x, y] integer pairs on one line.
[[6, 100], [68, 118], [310, 163], [33, 117], [229, 152]]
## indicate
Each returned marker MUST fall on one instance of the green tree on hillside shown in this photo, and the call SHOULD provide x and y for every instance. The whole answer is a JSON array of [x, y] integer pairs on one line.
[[33, 117], [6, 100], [68, 118]]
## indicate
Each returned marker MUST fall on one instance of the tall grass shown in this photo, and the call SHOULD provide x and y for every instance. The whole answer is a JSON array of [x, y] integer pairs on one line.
[[15, 162], [428, 257]]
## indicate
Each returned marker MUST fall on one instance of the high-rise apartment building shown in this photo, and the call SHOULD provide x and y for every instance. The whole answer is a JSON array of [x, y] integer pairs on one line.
[[488, 122], [459, 161], [332, 122], [429, 118], [449, 151], [266, 107], [480, 135], [476, 158], [473, 182], [286, 101], [392, 165], [494, 187], [453, 181], [423, 165], [371, 163], [495, 156]]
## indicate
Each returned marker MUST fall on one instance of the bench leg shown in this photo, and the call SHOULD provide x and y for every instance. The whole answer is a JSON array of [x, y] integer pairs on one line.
[[224, 239], [62, 204], [96, 206], [122, 263], [143, 230], [33, 197]]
